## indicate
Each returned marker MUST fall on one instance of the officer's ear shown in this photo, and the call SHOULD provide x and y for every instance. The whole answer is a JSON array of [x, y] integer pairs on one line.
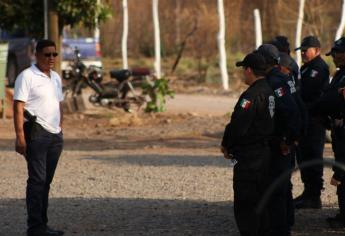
[[318, 51]]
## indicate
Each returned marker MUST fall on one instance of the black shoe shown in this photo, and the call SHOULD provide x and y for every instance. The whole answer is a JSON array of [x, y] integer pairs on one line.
[[336, 222], [308, 203], [299, 199], [58, 232]]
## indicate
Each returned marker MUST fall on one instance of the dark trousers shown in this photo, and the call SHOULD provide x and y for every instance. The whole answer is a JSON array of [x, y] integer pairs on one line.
[[311, 148], [43, 152], [280, 206], [250, 183], [338, 142]]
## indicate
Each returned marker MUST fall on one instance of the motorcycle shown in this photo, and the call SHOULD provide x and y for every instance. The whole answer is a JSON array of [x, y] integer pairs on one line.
[[121, 91]]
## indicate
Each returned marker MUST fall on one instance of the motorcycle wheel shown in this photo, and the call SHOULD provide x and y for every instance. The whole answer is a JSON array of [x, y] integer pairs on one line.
[[133, 103]]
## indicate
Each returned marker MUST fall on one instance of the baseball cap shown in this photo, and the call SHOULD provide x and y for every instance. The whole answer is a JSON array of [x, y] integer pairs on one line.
[[286, 61], [338, 46], [269, 52], [254, 61], [309, 42]]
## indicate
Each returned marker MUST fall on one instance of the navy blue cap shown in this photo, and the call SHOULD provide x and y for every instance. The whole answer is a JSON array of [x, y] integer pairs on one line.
[[269, 52], [338, 46], [254, 61], [309, 42], [286, 61]]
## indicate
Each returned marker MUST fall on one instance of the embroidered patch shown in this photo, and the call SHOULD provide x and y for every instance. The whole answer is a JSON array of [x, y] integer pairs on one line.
[[279, 92], [313, 73], [245, 104], [292, 86], [271, 105]]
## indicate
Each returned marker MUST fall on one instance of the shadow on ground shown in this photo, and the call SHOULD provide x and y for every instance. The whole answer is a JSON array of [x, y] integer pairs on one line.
[[109, 216]]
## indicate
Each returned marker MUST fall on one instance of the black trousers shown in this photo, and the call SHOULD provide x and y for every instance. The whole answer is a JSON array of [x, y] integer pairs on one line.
[[43, 152], [338, 142], [311, 148], [250, 183], [281, 210]]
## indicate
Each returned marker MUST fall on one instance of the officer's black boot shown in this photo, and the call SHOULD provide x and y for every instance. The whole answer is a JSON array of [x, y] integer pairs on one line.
[[336, 222], [308, 200]]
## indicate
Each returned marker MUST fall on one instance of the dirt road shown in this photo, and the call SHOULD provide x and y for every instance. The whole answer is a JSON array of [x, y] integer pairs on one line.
[[123, 174]]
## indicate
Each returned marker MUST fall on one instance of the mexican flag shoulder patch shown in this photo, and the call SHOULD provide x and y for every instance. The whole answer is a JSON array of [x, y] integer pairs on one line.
[[245, 104], [279, 92]]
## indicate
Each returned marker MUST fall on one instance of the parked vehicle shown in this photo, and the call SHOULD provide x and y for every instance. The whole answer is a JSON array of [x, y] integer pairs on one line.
[[119, 92], [21, 53], [89, 50]]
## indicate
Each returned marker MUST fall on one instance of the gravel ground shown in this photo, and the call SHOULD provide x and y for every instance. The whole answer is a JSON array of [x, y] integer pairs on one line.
[[153, 175]]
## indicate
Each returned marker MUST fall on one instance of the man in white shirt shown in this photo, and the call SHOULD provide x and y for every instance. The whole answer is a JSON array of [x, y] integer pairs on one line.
[[37, 121]]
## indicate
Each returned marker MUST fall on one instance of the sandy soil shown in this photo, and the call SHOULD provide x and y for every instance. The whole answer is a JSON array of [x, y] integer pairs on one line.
[[127, 174]]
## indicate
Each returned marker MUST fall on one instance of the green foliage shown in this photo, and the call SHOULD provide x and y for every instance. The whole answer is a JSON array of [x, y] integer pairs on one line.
[[73, 12], [157, 91], [22, 16], [27, 15]]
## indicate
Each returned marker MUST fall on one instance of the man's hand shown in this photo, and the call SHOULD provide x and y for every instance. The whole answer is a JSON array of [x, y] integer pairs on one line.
[[21, 146], [225, 153], [335, 182]]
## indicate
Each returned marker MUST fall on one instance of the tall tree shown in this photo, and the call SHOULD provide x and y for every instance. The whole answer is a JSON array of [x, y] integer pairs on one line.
[[27, 16]]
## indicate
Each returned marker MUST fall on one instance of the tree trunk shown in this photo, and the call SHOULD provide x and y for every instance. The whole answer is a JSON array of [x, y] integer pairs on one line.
[[221, 45], [54, 34], [299, 31], [342, 23], [258, 31], [157, 63], [124, 34]]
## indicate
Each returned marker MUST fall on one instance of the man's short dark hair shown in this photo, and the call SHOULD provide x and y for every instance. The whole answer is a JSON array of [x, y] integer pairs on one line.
[[43, 43], [282, 43]]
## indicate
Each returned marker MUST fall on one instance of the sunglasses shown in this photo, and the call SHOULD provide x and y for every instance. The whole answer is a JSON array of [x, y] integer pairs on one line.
[[51, 54]]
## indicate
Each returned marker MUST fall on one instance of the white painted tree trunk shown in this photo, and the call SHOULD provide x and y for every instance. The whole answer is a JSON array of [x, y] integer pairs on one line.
[[96, 31], [157, 63], [124, 34], [342, 23], [258, 31], [221, 45], [299, 31]]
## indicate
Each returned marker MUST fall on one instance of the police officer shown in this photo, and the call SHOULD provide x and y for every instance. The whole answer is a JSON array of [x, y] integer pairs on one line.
[[287, 65], [332, 104], [246, 138], [283, 45], [314, 80], [286, 133]]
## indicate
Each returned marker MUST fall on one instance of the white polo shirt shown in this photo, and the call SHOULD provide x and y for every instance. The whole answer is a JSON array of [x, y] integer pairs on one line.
[[42, 96]]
